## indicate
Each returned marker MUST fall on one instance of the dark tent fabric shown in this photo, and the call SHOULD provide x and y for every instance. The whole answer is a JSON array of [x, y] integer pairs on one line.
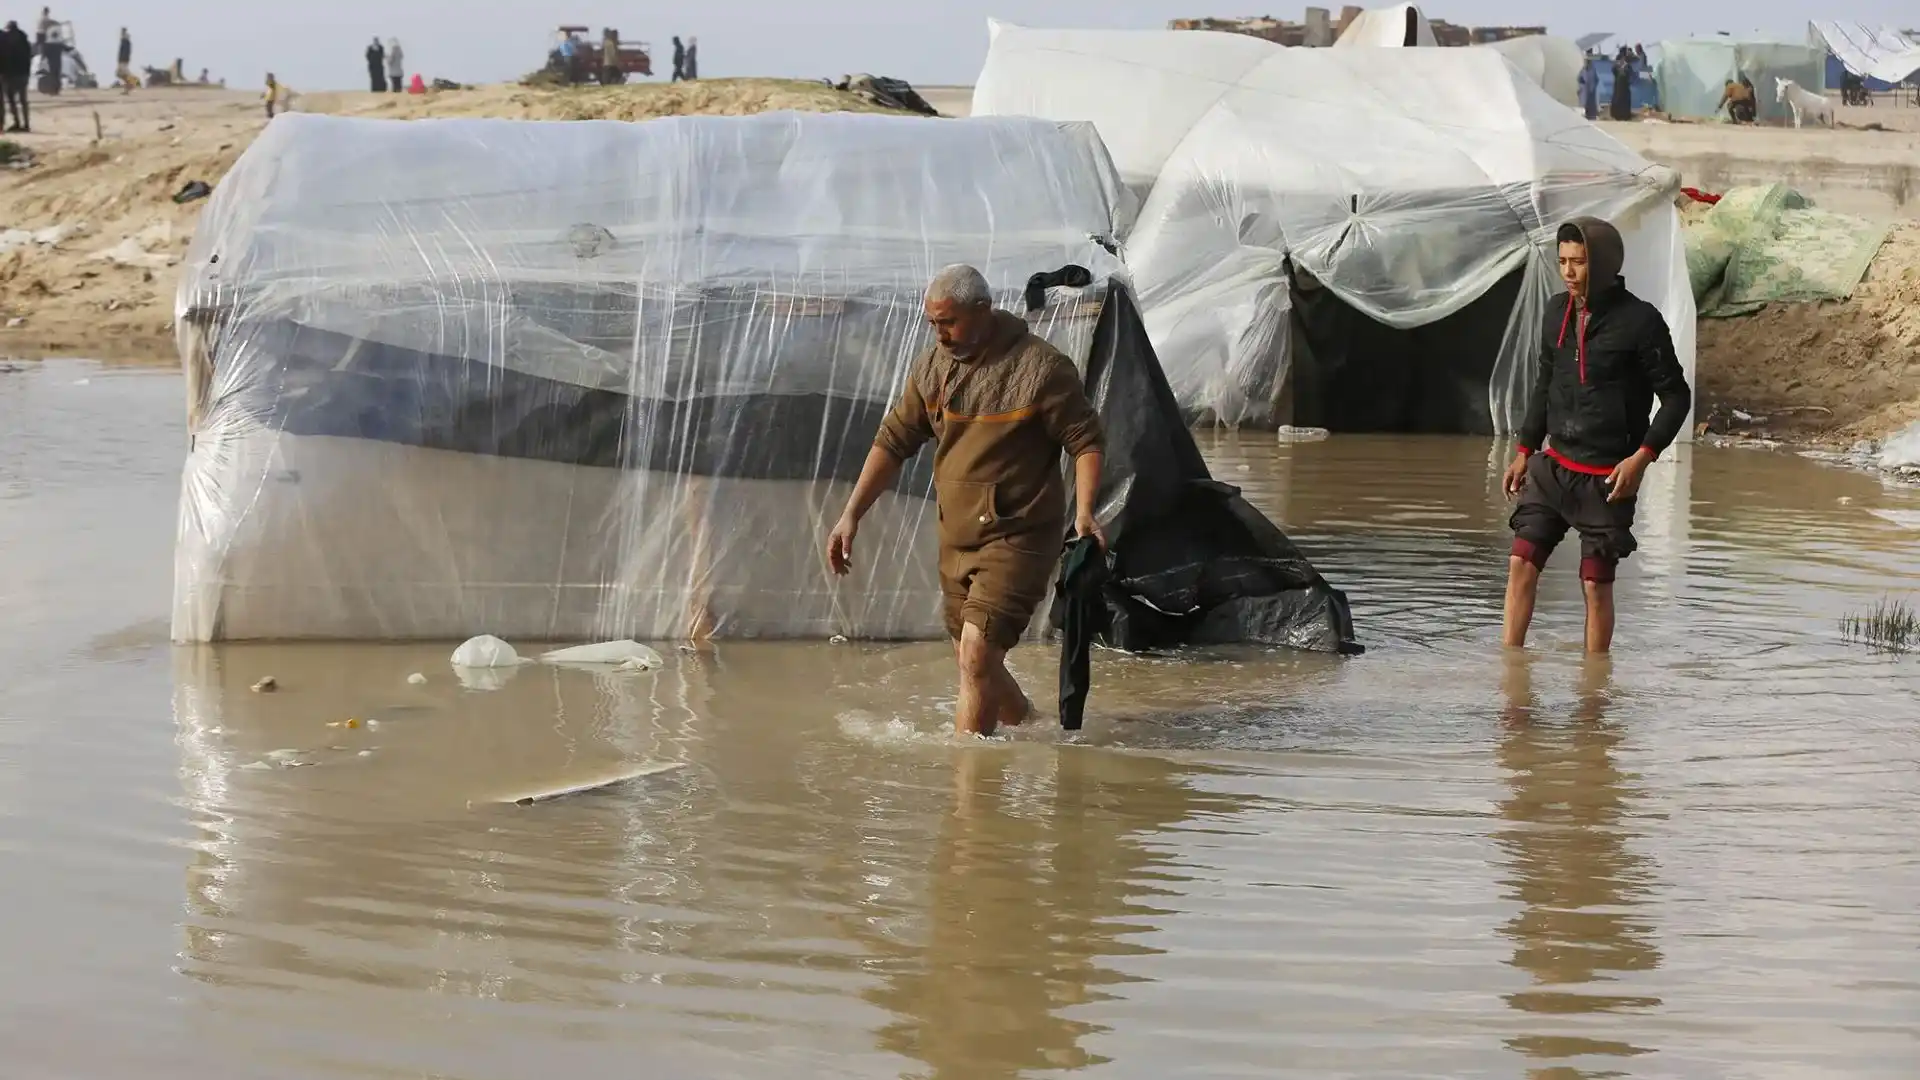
[[1352, 374], [1192, 562]]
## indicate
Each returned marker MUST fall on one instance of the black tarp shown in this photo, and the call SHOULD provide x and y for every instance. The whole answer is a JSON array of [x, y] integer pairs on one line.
[[1192, 562], [1352, 374]]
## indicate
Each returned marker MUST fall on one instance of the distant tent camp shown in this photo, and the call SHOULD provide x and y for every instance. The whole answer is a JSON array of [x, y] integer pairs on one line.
[[1315, 252]]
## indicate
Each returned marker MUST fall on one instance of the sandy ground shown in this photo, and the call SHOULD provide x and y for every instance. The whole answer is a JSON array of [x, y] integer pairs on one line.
[[109, 164]]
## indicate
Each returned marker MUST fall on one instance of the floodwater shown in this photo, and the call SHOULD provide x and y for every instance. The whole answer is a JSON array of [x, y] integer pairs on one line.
[[1701, 860]]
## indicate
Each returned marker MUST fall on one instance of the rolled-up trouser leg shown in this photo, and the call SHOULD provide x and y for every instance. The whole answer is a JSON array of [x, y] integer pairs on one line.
[[997, 586]]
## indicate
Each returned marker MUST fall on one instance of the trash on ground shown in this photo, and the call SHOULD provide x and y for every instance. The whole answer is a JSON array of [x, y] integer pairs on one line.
[[1902, 451], [194, 189], [128, 252]]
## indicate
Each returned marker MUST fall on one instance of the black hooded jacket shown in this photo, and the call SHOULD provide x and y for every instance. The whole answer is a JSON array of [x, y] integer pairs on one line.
[[1601, 367]]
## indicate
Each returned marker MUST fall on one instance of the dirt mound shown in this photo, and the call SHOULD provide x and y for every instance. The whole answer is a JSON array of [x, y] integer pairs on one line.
[[109, 166], [1840, 370]]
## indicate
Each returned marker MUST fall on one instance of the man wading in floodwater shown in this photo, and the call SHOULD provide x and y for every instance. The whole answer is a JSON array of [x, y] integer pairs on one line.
[[1000, 405], [1606, 354]]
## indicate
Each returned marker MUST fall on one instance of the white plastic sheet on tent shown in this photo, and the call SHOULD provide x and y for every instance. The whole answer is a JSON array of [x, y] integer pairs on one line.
[[1693, 74], [1552, 62], [1884, 53], [590, 380], [1388, 26], [1408, 181]]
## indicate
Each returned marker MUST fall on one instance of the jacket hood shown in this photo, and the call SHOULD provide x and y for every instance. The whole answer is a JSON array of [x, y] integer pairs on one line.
[[1606, 252]]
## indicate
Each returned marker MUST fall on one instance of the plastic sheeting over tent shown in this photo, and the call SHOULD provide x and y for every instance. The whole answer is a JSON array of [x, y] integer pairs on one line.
[[605, 380], [1551, 62], [1693, 74], [1401, 25], [1271, 172], [1885, 57]]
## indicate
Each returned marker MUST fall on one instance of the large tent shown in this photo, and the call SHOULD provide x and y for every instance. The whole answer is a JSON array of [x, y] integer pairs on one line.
[[600, 380], [1357, 239]]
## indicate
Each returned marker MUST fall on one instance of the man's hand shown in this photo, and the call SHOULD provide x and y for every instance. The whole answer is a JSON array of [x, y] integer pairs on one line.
[[1516, 476], [1085, 525], [1623, 482], [840, 545]]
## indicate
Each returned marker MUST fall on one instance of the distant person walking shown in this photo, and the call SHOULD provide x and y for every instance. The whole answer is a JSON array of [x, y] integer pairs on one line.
[[273, 94], [123, 66], [396, 66], [693, 59], [1589, 89], [377, 66], [679, 59], [16, 71], [53, 53]]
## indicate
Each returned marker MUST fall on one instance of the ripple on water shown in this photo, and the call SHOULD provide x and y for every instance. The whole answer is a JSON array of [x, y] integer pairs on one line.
[[1696, 860]]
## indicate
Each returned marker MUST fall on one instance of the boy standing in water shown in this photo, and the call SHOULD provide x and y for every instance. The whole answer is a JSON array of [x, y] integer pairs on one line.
[[1586, 441]]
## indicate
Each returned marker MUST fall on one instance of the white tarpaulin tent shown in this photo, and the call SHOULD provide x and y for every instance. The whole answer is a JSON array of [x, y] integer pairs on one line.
[[582, 381], [1552, 62], [1408, 206], [1884, 53], [1398, 25]]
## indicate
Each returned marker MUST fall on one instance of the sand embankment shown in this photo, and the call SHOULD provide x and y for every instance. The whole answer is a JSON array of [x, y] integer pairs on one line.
[[90, 259]]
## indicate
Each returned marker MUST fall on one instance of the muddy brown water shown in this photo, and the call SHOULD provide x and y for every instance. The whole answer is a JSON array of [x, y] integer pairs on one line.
[[1700, 860]]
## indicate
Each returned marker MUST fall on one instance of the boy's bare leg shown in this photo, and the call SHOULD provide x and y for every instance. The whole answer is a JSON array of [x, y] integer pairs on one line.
[[1599, 616], [1523, 586]]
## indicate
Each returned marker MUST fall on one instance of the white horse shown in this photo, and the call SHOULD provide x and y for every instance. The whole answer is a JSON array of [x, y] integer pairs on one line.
[[1803, 102]]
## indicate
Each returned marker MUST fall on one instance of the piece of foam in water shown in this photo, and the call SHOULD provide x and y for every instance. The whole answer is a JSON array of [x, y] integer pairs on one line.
[[596, 782]]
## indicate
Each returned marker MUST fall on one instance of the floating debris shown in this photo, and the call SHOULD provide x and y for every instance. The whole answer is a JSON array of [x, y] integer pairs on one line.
[[416, 679], [267, 685]]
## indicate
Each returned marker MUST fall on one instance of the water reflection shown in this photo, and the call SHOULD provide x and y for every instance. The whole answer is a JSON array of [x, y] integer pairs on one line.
[[778, 887], [1030, 890], [1583, 931]]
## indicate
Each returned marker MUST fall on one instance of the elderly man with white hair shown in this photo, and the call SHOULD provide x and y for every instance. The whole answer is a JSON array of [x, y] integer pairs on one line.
[[1000, 405]]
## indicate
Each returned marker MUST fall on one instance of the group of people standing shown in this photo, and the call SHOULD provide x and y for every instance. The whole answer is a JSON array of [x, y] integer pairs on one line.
[[386, 66], [686, 59], [1627, 64], [17, 53]]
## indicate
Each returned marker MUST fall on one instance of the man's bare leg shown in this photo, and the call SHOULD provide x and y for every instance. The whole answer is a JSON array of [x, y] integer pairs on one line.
[[1599, 617], [1523, 585], [1015, 707], [977, 711]]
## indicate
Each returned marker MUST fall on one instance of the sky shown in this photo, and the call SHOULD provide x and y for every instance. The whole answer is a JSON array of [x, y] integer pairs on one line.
[[318, 45]]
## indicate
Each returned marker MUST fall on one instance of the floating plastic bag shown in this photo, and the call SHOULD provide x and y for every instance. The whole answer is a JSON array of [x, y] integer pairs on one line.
[[627, 655], [485, 651]]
